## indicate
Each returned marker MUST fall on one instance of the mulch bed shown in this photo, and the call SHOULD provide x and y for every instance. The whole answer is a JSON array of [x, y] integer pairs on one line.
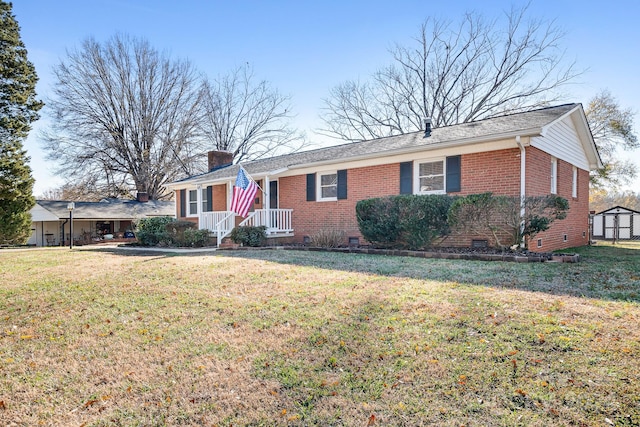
[[476, 254]]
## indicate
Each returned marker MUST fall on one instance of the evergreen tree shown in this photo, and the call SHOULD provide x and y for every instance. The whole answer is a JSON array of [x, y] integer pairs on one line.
[[18, 109]]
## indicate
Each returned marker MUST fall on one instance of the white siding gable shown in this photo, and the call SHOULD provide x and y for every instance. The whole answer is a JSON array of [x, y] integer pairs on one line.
[[561, 140]]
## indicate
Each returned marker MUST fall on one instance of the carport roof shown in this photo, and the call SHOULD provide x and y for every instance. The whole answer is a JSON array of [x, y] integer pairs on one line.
[[109, 209]]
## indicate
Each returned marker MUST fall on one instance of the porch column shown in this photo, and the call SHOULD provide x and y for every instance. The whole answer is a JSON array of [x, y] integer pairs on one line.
[[266, 202], [199, 202], [229, 194]]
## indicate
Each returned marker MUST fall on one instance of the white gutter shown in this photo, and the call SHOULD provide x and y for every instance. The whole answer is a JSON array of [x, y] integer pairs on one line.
[[205, 180], [523, 175], [428, 147]]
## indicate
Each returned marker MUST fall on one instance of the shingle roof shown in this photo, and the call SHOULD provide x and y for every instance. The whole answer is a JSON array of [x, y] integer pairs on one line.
[[111, 209], [530, 121]]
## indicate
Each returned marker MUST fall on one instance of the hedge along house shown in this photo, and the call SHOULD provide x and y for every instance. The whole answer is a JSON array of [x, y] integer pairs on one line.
[[540, 152]]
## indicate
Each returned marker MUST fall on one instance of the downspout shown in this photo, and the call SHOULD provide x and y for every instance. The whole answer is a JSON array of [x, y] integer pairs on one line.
[[523, 174], [62, 231]]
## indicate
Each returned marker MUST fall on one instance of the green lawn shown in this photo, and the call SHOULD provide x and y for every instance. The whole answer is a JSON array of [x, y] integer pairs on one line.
[[275, 337]]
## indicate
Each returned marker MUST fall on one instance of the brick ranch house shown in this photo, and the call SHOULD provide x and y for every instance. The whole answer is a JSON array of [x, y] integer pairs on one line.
[[540, 152]]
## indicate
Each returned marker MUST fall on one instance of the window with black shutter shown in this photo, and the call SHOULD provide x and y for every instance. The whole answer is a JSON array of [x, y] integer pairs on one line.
[[311, 187], [406, 178], [342, 184], [453, 174]]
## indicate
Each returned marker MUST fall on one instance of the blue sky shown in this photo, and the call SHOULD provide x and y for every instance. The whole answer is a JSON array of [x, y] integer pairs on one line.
[[304, 48]]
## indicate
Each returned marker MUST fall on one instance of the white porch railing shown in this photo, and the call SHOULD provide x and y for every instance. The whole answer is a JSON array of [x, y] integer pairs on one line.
[[277, 221], [221, 223], [209, 220]]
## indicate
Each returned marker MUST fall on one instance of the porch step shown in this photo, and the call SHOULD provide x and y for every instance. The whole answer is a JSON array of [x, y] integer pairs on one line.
[[227, 243]]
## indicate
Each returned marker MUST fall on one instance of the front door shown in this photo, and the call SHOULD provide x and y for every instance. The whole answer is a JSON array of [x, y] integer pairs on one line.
[[273, 194]]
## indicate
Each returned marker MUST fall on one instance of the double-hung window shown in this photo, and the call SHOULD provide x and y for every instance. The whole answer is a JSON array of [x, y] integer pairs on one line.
[[192, 201], [204, 201], [431, 176], [328, 186]]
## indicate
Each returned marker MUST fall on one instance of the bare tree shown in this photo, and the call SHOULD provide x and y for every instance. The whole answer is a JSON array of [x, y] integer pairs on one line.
[[601, 199], [612, 130], [86, 190], [248, 118], [453, 74], [125, 117]]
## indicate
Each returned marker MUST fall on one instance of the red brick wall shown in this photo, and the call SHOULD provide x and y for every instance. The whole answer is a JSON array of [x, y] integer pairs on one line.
[[178, 205], [220, 197], [362, 183], [576, 225], [503, 177], [495, 171]]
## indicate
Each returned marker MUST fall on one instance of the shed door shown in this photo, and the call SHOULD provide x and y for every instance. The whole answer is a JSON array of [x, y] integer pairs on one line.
[[624, 226], [609, 226]]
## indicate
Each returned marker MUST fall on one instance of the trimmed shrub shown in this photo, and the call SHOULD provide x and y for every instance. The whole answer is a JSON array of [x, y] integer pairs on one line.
[[328, 238], [249, 236], [378, 220], [186, 234], [152, 231], [196, 238], [422, 220], [176, 231], [167, 231], [405, 222]]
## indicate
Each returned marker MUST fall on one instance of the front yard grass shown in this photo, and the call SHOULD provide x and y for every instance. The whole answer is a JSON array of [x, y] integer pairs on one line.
[[98, 338]]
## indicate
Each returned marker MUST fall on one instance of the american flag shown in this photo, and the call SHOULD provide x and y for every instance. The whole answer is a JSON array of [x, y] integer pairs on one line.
[[243, 193]]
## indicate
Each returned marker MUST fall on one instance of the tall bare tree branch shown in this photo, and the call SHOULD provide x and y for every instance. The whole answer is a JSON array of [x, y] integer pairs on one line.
[[612, 130], [454, 73], [248, 118], [125, 117]]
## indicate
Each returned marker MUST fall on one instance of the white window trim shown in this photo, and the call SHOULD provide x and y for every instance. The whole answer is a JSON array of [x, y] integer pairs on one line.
[[319, 176], [199, 201], [203, 199], [574, 183], [416, 175], [554, 176]]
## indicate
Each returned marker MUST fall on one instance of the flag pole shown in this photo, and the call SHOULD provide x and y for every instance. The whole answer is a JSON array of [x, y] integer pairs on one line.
[[250, 177]]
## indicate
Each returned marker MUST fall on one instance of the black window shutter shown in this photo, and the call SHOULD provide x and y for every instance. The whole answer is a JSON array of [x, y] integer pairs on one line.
[[311, 187], [406, 178], [453, 174], [183, 203], [209, 198], [342, 184]]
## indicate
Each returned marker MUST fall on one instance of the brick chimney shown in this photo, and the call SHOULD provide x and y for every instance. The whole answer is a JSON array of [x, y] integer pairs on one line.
[[142, 197], [217, 159]]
